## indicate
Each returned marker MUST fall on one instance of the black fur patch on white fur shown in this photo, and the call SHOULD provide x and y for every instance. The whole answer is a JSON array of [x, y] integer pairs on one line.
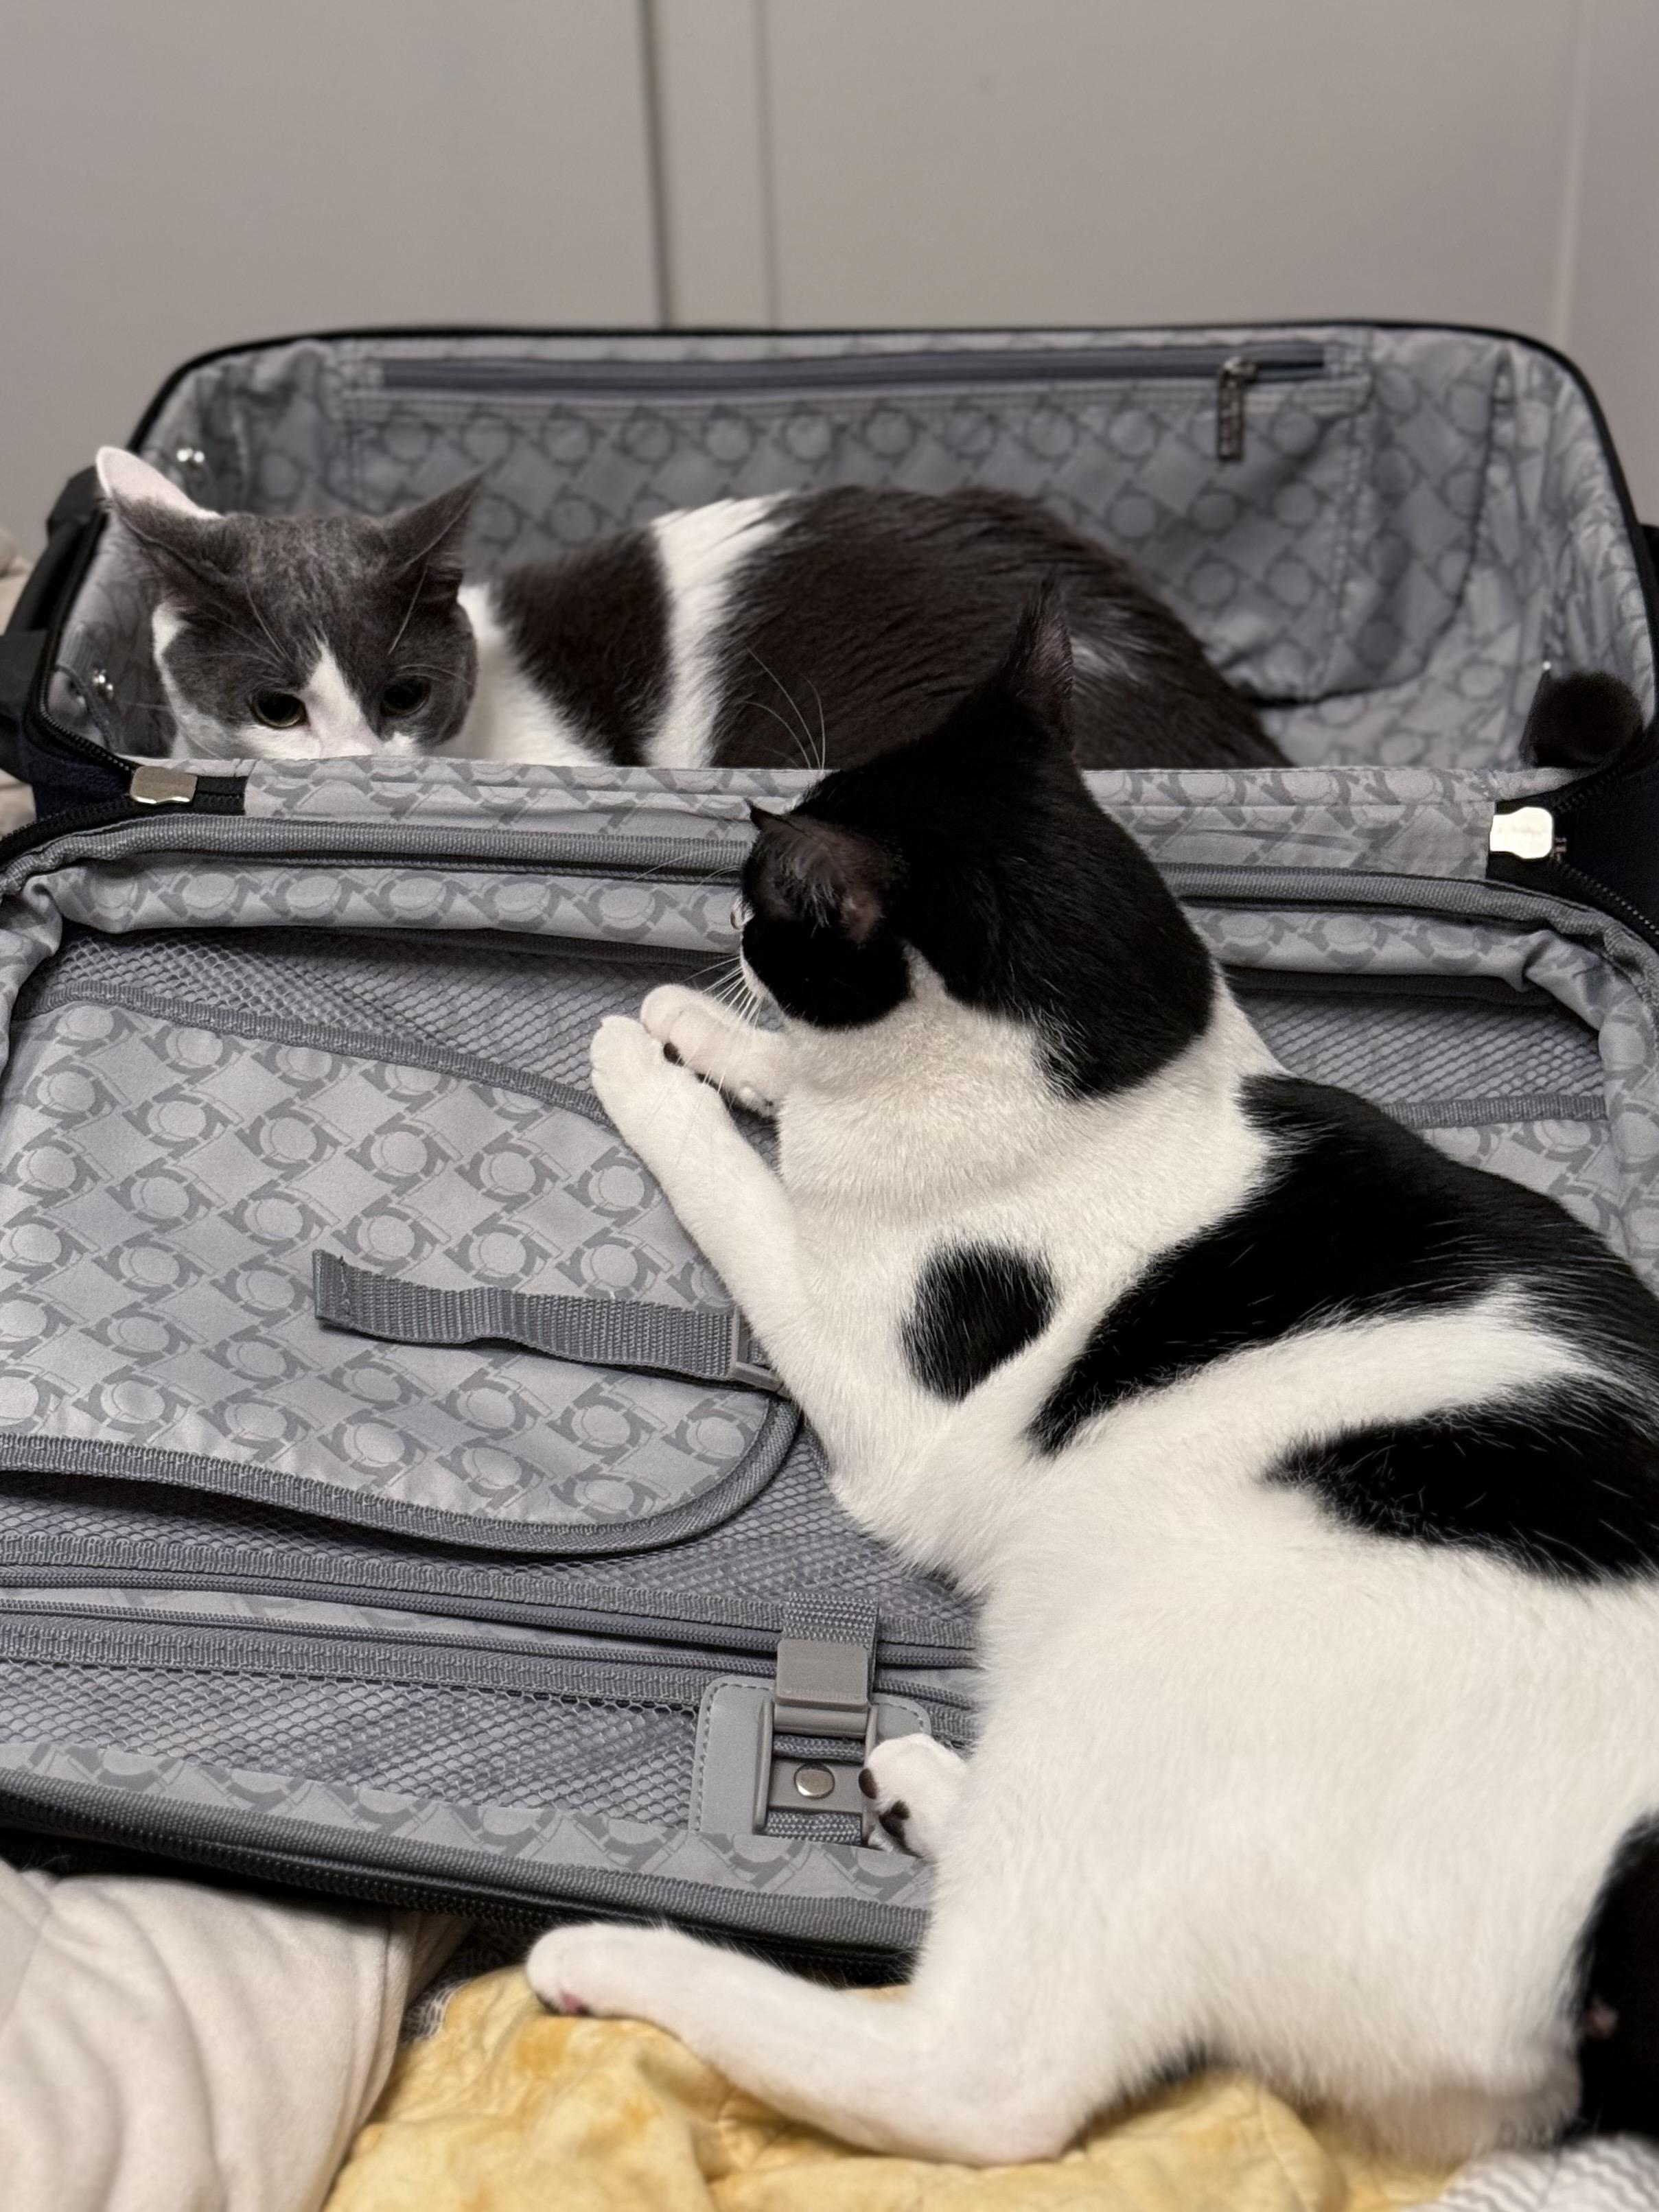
[[1360, 1218], [591, 632], [976, 1305]]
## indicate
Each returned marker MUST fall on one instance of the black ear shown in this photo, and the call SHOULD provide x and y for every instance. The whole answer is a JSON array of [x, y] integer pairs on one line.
[[1585, 720], [1036, 672], [825, 873], [432, 536]]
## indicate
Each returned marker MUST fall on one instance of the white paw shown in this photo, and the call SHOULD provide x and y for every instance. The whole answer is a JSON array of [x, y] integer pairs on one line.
[[672, 1008], [633, 1973], [915, 1782], [636, 1084], [712, 1042]]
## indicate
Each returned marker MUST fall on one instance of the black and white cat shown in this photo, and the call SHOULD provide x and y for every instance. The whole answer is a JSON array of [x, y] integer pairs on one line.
[[1309, 1480], [758, 633]]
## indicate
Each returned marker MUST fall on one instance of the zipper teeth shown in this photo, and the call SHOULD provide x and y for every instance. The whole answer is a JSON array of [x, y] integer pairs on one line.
[[36, 1606], [739, 1640], [216, 1839], [1285, 361], [266, 1653], [185, 829]]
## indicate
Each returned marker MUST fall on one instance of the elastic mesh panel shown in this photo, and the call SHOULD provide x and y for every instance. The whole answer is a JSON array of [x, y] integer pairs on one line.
[[517, 1008], [457, 1741], [1414, 1049], [536, 1012]]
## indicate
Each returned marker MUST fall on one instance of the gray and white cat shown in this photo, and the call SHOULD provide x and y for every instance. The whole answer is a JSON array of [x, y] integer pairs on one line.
[[800, 627]]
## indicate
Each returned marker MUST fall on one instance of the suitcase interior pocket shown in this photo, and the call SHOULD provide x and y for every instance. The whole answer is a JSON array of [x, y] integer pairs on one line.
[[1228, 473], [190, 1119]]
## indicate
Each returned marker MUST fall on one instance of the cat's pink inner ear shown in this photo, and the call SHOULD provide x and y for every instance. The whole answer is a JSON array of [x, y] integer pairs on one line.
[[129, 482], [842, 876]]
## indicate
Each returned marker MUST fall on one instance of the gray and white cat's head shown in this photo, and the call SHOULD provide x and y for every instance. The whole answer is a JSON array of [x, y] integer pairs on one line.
[[300, 637]]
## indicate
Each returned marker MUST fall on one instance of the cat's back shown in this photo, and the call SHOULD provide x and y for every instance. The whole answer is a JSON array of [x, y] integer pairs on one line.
[[813, 629]]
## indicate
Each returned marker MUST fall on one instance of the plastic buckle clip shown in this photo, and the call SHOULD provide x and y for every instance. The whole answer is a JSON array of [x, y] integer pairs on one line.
[[746, 1360]]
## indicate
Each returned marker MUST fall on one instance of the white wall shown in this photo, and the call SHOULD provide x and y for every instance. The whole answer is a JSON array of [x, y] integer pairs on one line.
[[179, 174], [186, 173]]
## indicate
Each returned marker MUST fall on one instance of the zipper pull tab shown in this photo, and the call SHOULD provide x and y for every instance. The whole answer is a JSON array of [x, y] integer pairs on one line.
[[1233, 380], [1525, 833], [154, 785]]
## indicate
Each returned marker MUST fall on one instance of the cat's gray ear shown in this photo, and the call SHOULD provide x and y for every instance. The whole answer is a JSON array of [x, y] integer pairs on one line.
[[1037, 672], [131, 486], [432, 536], [824, 873], [178, 539]]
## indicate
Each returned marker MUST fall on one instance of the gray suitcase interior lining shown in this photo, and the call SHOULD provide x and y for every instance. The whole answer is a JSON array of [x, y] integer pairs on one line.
[[1456, 1004], [1416, 521]]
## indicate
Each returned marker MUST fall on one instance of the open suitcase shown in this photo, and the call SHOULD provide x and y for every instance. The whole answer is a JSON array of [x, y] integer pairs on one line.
[[392, 1503]]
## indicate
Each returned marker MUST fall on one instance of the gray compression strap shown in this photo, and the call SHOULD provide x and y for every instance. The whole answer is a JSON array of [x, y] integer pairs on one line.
[[708, 1344]]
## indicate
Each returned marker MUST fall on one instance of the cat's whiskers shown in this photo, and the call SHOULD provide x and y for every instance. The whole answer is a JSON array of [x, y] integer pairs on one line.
[[805, 757], [414, 601], [794, 704], [823, 733]]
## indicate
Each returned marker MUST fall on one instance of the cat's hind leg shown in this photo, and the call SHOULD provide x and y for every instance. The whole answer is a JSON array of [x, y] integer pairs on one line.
[[1037, 1999], [900, 2074], [748, 1063]]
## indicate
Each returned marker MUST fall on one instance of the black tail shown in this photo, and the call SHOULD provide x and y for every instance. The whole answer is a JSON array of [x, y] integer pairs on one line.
[[1586, 721], [1619, 2052]]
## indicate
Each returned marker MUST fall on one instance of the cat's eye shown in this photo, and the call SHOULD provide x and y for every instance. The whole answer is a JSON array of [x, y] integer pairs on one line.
[[405, 695], [279, 710]]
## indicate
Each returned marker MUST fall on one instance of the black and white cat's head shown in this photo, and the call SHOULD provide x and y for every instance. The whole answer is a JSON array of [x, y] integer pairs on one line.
[[978, 852], [305, 636]]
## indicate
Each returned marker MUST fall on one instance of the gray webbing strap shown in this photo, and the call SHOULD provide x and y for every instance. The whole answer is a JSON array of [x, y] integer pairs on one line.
[[712, 1345]]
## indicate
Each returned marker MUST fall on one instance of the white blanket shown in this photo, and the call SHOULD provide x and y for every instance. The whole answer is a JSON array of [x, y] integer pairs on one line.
[[167, 2048]]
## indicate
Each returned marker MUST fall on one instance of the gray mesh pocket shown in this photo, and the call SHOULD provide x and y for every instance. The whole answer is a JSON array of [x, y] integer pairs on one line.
[[464, 1742], [1470, 1057], [519, 1008]]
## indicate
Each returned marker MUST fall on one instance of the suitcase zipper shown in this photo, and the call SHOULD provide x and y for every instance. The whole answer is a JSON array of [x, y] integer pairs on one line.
[[1232, 370], [238, 1844]]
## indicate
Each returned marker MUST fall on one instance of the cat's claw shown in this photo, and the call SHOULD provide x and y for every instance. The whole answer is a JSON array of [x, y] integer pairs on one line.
[[913, 1782], [714, 1043], [591, 1968]]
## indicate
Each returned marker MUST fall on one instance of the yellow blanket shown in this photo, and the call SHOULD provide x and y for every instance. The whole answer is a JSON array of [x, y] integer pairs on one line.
[[511, 2109]]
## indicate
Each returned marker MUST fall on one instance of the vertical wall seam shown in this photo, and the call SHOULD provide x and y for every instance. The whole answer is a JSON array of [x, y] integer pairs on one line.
[[656, 166], [1572, 180], [768, 174]]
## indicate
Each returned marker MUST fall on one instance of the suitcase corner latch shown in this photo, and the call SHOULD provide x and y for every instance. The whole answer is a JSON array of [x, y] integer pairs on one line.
[[822, 1696]]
